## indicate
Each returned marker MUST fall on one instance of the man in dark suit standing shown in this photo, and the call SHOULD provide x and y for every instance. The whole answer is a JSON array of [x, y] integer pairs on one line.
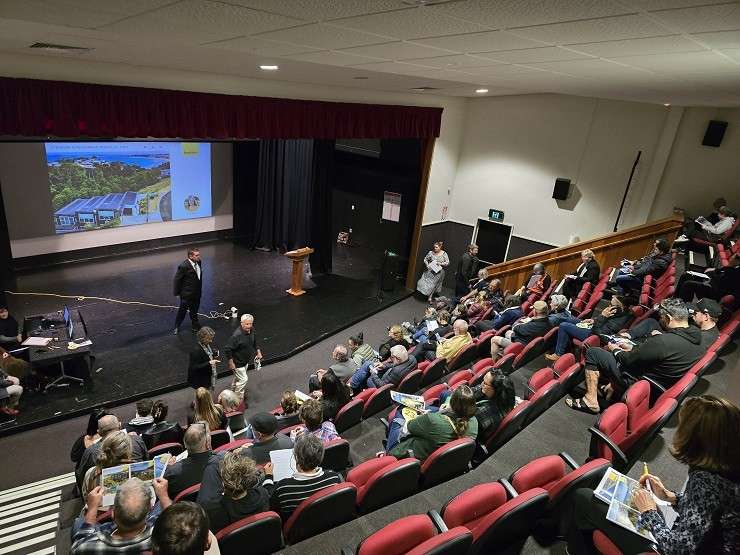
[[188, 286]]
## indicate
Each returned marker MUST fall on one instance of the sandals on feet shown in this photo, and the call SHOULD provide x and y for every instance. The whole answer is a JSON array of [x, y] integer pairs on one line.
[[581, 406]]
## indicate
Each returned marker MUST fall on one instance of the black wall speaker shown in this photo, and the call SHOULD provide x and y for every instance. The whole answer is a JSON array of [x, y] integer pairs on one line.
[[715, 133], [562, 188]]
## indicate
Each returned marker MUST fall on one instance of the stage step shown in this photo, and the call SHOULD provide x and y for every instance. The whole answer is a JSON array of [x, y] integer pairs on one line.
[[30, 515]]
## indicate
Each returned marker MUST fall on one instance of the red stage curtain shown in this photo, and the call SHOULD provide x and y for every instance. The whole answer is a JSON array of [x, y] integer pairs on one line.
[[34, 108]]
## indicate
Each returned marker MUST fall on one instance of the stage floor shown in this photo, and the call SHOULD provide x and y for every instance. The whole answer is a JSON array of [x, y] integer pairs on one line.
[[136, 353]]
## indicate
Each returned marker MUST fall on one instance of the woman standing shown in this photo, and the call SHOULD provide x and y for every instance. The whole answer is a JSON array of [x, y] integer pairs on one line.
[[431, 280], [203, 361]]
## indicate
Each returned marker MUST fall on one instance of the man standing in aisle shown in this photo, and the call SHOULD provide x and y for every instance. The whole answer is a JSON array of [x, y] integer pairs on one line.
[[467, 268], [241, 350], [188, 286]]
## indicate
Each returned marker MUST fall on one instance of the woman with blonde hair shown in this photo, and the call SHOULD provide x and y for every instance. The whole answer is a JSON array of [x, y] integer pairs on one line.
[[204, 409], [708, 521], [115, 449]]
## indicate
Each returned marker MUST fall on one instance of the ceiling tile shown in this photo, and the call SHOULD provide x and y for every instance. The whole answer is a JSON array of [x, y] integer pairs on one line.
[[529, 55], [396, 51], [332, 57], [588, 68], [393, 67], [322, 10], [595, 30], [636, 47], [328, 37], [488, 41], [500, 14], [410, 24], [648, 5], [722, 39], [260, 46], [456, 61], [74, 14], [724, 17], [686, 63], [733, 53], [501, 69], [201, 20]]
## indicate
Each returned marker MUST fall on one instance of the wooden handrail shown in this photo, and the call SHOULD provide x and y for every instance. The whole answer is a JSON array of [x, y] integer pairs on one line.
[[608, 249]]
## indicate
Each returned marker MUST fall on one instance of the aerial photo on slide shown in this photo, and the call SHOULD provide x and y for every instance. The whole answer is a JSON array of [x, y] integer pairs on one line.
[[95, 189]]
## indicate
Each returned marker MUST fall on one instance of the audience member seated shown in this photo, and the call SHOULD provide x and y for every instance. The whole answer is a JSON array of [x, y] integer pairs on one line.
[[664, 357], [143, 419], [587, 272], [466, 270], [708, 510], [396, 336], [421, 331], [475, 288], [265, 428], [718, 203], [233, 489], [426, 432], [343, 368], [10, 391], [108, 425], [182, 529], [10, 334], [19, 369], [390, 372], [707, 231], [290, 407], [160, 409], [511, 313], [559, 312], [613, 318], [308, 479], [189, 471], [314, 423], [537, 282], [494, 399], [361, 352], [654, 264], [722, 281], [334, 394], [204, 409], [230, 402], [131, 528], [88, 438], [116, 448], [523, 331]]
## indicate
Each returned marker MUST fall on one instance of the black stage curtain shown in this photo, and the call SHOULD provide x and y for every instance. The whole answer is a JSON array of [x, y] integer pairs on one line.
[[246, 164], [5, 253], [321, 237]]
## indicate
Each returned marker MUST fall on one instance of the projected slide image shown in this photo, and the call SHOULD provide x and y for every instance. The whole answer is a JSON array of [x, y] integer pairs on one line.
[[105, 185]]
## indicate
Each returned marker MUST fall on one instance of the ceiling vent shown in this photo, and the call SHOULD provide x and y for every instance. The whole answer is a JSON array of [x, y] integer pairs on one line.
[[422, 89], [64, 48]]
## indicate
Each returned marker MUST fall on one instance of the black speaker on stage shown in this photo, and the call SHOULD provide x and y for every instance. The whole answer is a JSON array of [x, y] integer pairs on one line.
[[715, 133], [562, 188]]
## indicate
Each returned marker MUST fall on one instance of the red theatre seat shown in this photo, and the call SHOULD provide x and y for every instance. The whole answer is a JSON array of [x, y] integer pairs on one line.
[[173, 449], [188, 494], [415, 535], [433, 372], [219, 438], [233, 445], [262, 532], [511, 425], [323, 511], [411, 383], [447, 461], [336, 455], [384, 480], [349, 415], [375, 399], [499, 524]]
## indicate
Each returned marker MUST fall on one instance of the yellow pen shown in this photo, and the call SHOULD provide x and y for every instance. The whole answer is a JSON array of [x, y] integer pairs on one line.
[[645, 472]]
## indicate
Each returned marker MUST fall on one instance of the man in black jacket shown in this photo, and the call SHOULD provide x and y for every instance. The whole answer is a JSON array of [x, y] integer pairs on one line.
[[188, 285], [664, 357], [587, 272], [722, 281], [189, 471], [524, 331], [466, 270], [630, 277]]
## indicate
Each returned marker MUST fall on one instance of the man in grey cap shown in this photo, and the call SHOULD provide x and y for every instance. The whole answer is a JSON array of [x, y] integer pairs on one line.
[[265, 427]]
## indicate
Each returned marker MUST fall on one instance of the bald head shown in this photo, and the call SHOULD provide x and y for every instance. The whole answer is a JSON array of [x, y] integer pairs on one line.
[[131, 505], [196, 438], [460, 327], [107, 424]]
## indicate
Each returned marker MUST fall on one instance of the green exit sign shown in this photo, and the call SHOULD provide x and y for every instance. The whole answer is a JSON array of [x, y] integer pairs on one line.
[[496, 215]]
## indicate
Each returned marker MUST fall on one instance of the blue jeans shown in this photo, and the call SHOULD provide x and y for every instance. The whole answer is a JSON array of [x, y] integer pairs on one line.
[[566, 332], [628, 282], [421, 335], [358, 380]]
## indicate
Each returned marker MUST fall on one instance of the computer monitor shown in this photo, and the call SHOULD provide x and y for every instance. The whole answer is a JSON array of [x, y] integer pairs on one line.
[[68, 323]]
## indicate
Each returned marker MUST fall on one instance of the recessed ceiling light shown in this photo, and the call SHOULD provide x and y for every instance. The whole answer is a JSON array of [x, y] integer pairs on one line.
[[666, 104], [269, 67], [481, 91], [423, 89]]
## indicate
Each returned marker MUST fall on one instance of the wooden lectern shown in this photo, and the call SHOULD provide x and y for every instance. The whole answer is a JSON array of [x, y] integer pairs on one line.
[[297, 256]]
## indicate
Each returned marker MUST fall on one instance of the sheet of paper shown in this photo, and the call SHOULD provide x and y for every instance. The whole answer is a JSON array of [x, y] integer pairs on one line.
[[697, 274], [435, 267], [36, 341], [391, 206], [415, 402], [302, 397], [432, 325], [283, 464], [182, 456]]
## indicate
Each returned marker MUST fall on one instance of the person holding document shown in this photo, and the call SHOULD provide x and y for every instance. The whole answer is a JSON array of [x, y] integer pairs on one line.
[[242, 350], [430, 282], [708, 509]]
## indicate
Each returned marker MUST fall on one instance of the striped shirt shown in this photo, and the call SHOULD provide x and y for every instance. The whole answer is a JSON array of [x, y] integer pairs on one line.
[[289, 492]]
